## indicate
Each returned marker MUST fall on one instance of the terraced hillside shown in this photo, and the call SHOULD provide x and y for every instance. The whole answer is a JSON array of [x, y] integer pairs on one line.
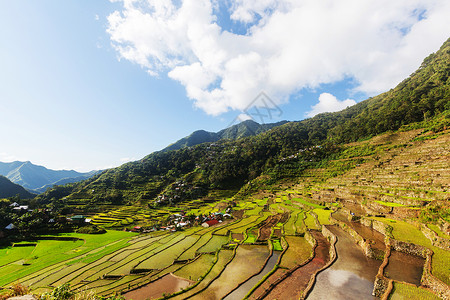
[[282, 238], [354, 203]]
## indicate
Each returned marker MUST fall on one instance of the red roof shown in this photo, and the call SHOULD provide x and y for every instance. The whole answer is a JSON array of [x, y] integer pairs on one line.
[[212, 222]]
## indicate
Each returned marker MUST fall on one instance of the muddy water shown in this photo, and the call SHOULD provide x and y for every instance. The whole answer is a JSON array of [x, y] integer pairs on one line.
[[240, 292], [237, 236], [405, 267], [350, 277], [166, 285], [370, 234], [293, 286], [376, 238]]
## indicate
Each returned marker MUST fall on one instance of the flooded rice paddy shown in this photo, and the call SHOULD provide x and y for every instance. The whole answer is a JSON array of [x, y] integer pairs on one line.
[[351, 276], [164, 285], [241, 291], [405, 267]]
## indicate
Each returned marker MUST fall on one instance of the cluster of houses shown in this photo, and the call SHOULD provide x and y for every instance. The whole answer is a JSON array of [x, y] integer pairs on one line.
[[25, 208], [180, 221], [310, 150], [178, 192], [17, 207]]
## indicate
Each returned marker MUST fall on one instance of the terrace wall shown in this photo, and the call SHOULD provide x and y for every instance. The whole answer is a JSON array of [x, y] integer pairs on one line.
[[435, 239], [333, 255], [365, 245], [428, 279]]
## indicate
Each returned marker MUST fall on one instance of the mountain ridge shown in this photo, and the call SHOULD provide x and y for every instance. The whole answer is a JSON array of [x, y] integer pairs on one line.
[[243, 129], [10, 189], [37, 178], [230, 164]]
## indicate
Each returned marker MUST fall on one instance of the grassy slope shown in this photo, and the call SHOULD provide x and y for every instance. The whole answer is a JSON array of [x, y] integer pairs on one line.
[[49, 252]]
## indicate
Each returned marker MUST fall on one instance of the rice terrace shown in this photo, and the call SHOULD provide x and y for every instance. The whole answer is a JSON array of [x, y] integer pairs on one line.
[[273, 244], [331, 180]]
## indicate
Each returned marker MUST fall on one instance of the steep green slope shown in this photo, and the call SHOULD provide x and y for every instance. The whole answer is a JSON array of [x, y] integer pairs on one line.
[[9, 189], [229, 164], [243, 129]]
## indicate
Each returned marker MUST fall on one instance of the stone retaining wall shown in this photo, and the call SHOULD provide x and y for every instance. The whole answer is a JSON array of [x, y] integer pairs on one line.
[[310, 239], [365, 245], [409, 248], [435, 239], [428, 279], [379, 226], [381, 282], [333, 255]]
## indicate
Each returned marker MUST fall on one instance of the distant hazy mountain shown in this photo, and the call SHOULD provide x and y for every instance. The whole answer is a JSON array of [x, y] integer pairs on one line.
[[243, 129], [38, 178], [9, 189]]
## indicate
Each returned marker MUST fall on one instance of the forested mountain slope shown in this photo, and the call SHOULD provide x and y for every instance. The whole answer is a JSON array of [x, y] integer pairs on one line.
[[9, 189], [243, 129], [422, 97]]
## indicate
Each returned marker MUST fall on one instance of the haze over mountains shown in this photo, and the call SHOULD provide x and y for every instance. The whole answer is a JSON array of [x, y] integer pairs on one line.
[[38, 178]]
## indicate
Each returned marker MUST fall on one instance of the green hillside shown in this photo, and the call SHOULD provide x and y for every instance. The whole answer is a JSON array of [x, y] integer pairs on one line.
[[229, 164], [258, 217], [243, 129], [9, 189]]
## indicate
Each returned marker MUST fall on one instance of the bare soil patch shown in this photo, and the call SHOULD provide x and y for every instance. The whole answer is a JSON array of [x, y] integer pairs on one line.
[[168, 284]]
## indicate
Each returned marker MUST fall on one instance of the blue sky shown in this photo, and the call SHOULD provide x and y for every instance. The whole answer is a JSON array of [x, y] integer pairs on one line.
[[92, 84]]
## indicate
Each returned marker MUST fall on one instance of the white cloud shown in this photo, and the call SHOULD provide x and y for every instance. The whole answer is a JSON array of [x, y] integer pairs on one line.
[[329, 103], [289, 45]]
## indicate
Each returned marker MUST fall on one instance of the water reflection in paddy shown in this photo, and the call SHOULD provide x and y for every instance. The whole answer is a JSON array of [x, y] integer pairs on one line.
[[405, 267], [352, 274], [240, 292]]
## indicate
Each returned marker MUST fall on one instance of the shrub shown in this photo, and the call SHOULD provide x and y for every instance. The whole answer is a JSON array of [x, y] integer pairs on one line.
[[91, 229], [61, 292]]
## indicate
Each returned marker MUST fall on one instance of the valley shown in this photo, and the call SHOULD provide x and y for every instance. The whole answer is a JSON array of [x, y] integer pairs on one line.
[[346, 205], [285, 233]]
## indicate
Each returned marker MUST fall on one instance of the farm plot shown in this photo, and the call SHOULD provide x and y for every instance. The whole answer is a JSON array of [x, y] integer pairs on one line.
[[15, 254], [167, 256], [323, 215], [192, 251], [52, 254], [38, 259], [289, 227], [267, 226], [404, 231], [310, 222], [299, 251], [223, 258], [252, 235], [214, 244], [299, 223], [166, 285], [248, 261], [197, 268]]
